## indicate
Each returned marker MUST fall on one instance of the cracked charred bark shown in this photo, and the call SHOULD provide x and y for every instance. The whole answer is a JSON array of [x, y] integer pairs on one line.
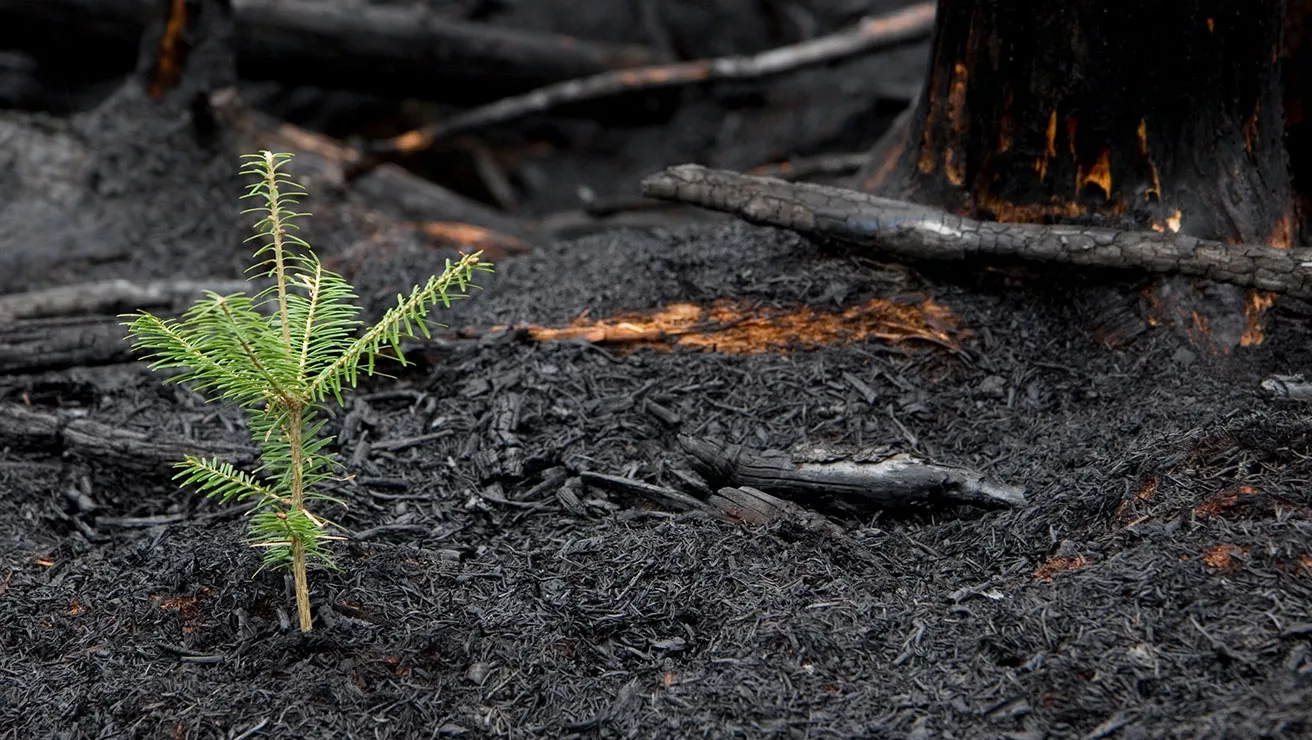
[[1162, 114], [914, 231]]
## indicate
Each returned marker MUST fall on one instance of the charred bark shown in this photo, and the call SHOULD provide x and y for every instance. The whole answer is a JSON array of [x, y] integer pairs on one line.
[[71, 432], [912, 231], [1038, 111], [1161, 115], [869, 480]]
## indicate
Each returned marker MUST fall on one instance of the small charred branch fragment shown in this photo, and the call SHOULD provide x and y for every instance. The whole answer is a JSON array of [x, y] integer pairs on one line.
[[912, 231], [754, 506], [1287, 388], [898, 480], [71, 432], [659, 494], [871, 33]]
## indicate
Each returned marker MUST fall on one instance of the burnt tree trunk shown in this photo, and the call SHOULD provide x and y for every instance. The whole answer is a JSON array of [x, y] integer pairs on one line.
[[1165, 115]]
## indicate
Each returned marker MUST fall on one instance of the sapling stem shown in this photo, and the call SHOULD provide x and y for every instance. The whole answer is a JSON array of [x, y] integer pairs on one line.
[[280, 355]]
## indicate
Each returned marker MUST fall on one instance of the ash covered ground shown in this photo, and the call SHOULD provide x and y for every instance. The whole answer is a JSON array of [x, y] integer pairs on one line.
[[1157, 583]]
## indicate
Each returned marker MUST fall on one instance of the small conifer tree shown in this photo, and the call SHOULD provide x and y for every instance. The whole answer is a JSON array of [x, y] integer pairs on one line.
[[282, 355]]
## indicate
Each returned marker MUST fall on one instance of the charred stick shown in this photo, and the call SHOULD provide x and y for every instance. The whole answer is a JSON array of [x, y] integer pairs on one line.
[[896, 480], [1287, 388], [410, 48], [72, 325], [659, 494], [754, 506], [870, 33], [913, 231]]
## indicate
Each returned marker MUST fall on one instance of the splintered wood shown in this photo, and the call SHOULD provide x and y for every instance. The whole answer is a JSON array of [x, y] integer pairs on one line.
[[737, 328]]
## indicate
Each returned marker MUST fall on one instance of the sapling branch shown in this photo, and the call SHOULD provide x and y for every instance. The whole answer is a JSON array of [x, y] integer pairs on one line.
[[278, 356]]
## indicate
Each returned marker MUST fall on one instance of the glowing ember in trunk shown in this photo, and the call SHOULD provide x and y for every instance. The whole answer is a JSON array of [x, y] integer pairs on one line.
[[738, 328]]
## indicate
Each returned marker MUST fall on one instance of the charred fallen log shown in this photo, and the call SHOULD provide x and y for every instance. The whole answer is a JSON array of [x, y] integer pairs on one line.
[[75, 325], [108, 297], [70, 432], [408, 51], [57, 344], [868, 480], [917, 232]]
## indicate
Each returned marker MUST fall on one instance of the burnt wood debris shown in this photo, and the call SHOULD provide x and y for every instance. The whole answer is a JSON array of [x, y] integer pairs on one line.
[[1060, 491], [912, 231]]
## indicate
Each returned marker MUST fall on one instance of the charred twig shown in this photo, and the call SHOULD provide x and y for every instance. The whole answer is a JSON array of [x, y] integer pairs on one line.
[[891, 480], [914, 231], [866, 35], [660, 494], [385, 530], [71, 326]]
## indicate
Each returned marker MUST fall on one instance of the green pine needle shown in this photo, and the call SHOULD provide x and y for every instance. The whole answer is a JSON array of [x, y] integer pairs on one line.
[[280, 354]]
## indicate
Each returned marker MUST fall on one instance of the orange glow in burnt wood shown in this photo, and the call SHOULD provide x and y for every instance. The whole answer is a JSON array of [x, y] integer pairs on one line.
[[737, 328], [172, 53]]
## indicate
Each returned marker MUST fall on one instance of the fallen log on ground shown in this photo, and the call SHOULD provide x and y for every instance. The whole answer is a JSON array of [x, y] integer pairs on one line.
[[57, 344], [868, 34], [405, 51], [872, 479], [77, 325], [911, 231], [71, 432], [109, 297]]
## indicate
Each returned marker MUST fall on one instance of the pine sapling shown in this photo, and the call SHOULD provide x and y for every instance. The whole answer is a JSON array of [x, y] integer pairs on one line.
[[282, 355]]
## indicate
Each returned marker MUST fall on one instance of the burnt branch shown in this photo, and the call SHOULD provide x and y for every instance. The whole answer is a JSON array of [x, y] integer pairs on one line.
[[754, 506], [917, 232], [871, 33], [882, 481], [1287, 388]]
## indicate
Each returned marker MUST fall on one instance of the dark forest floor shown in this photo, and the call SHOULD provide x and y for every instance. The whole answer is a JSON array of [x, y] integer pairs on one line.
[[1142, 592], [1157, 584]]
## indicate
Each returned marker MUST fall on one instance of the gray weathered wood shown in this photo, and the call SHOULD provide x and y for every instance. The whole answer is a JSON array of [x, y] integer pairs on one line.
[[912, 231], [893, 480]]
